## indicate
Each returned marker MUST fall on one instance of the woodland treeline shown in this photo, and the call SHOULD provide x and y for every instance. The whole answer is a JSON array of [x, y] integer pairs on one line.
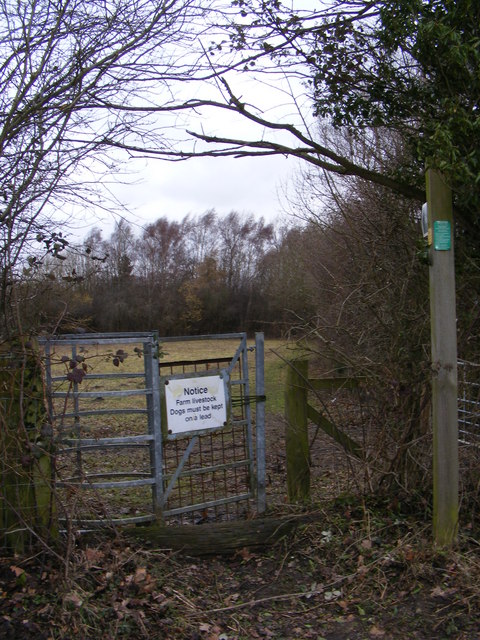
[[203, 274]]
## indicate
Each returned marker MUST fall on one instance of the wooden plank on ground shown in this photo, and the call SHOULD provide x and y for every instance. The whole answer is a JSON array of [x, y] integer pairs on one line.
[[218, 538]]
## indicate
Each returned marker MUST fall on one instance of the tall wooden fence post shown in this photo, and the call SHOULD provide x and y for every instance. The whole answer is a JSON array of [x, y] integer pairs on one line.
[[297, 445], [444, 360], [260, 420]]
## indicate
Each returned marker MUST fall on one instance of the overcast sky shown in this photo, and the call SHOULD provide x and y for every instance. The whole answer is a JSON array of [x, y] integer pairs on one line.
[[251, 185], [174, 190]]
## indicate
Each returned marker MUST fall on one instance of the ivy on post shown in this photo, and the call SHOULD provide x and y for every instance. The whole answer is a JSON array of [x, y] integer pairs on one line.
[[26, 484], [296, 436], [444, 360]]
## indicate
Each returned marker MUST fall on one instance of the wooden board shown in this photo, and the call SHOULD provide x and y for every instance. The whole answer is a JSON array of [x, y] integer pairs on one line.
[[218, 538]]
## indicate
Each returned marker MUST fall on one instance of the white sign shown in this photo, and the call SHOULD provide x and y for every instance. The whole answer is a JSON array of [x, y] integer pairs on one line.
[[195, 403]]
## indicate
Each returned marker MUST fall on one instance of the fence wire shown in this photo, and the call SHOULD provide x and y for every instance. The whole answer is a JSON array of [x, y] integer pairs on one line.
[[469, 402]]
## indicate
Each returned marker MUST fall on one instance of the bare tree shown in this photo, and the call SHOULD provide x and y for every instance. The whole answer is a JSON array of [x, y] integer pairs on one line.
[[72, 75], [163, 264], [361, 248]]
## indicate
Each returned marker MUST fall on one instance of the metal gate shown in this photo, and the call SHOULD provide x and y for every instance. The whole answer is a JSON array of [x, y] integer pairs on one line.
[[116, 461]]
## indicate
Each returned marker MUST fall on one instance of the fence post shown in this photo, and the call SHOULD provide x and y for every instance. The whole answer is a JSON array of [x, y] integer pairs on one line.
[[296, 437], [26, 483], [444, 360], [260, 420]]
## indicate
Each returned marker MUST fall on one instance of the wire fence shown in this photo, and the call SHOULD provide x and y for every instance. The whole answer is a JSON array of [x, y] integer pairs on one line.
[[469, 403]]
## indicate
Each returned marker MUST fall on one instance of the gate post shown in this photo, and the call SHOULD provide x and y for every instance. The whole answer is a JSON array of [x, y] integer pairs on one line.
[[26, 483], [296, 436], [154, 421], [260, 420]]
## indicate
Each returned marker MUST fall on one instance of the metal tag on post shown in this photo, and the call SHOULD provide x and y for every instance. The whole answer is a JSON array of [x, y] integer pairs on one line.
[[442, 235]]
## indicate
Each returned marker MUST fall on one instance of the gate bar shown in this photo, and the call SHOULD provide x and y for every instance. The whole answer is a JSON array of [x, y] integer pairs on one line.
[[178, 470]]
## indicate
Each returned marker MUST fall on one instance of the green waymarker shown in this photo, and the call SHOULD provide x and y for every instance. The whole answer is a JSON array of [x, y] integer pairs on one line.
[[442, 235]]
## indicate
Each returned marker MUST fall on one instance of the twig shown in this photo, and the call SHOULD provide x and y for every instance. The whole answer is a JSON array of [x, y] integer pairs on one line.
[[279, 597], [184, 599]]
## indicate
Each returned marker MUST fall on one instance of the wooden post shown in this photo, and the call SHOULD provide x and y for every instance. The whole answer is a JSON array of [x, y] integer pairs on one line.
[[260, 421], [26, 491], [297, 445], [444, 360]]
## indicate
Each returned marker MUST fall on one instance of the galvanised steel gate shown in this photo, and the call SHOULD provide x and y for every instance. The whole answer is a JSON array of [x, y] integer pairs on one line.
[[117, 463]]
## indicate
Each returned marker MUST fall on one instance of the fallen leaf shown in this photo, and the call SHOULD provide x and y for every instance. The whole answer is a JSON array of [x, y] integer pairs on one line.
[[214, 633], [121, 608], [343, 604], [245, 554], [409, 554], [332, 595], [140, 575], [18, 571], [439, 592], [93, 556], [376, 632]]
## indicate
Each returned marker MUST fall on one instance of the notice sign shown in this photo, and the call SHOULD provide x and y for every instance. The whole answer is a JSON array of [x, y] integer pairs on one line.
[[195, 403]]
